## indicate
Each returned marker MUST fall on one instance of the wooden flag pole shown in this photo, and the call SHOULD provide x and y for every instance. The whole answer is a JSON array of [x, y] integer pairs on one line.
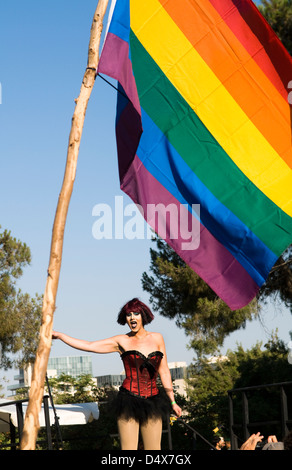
[[31, 423]]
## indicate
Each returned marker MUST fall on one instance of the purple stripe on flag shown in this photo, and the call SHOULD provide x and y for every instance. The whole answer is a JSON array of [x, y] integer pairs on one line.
[[210, 260], [115, 62], [128, 136]]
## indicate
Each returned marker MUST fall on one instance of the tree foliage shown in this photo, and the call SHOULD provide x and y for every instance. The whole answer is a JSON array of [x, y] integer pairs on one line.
[[19, 313], [68, 389], [177, 292], [279, 282], [210, 382], [278, 14]]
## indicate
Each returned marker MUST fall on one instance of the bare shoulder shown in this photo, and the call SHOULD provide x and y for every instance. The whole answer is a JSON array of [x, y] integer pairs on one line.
[[156, 334], [158, 338], [122, 342], [120, 338]]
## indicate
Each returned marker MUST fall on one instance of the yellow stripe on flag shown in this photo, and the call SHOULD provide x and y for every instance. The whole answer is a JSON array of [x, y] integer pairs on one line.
[[210, 100]]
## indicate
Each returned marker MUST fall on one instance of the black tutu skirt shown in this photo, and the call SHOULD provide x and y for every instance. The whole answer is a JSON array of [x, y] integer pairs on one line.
[[130, 406]]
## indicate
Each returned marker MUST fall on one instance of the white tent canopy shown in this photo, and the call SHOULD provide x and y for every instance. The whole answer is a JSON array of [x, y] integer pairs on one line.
[[77, 413]]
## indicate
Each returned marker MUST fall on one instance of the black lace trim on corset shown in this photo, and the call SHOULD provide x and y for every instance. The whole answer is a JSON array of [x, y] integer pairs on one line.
[[133, 351]]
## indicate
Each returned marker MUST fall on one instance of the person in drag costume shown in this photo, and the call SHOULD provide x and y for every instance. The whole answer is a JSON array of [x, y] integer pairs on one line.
[[140, 405]]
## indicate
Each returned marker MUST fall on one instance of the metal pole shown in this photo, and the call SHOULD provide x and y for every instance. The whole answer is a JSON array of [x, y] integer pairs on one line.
[[47, 421], [233, 439], [19, 413], [284, 412], [245, 416]]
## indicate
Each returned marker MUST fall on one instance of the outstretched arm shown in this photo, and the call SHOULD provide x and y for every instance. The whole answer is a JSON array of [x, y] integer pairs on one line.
[[102, 346]]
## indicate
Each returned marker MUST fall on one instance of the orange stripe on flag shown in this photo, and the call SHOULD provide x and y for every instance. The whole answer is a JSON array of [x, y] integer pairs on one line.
[[234, 67]]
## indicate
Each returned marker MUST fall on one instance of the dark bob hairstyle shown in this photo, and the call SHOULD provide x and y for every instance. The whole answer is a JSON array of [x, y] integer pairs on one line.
[[135, 305]]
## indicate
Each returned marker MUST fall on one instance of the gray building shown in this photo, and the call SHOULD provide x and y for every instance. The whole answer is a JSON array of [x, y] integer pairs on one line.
[[69, 365], [110, 380]]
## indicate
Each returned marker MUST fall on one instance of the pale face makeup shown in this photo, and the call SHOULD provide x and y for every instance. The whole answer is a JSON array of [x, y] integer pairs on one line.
[[134, 321]]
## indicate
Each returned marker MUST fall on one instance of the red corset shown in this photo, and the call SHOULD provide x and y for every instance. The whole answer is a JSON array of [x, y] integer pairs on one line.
[[141, 372]]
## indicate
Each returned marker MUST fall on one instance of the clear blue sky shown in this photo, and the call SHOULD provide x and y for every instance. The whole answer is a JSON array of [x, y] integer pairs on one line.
[[43, 56]]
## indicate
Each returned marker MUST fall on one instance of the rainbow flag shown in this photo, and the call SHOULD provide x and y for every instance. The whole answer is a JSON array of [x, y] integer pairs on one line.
[[204, 133]]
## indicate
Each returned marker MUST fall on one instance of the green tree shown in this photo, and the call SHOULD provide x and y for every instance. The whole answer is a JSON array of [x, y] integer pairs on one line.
[[177, 292], [19, 313], [68, 389], [210, 382], [279, 282], [278, 14]]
